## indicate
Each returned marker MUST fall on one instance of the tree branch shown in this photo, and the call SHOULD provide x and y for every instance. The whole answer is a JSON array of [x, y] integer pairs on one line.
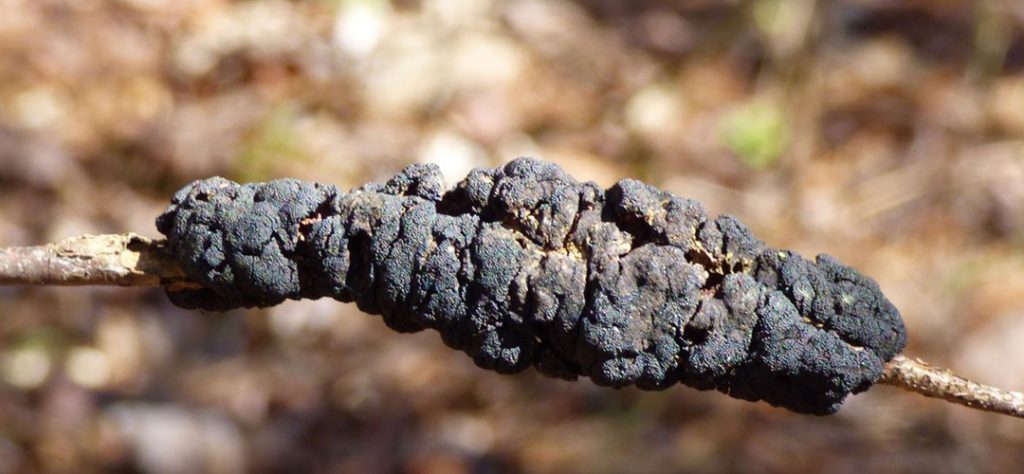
[[133, 260], [113, 259], [917, 376]]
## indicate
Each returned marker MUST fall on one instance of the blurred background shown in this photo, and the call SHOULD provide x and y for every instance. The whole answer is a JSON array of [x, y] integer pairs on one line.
[[887, 133]]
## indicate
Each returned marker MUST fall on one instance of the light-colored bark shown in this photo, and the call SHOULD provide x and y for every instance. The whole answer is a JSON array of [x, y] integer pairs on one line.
[[935, 382], [114, 259]]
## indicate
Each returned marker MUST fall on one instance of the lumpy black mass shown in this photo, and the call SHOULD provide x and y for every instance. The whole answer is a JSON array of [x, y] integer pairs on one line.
[[524, 266]]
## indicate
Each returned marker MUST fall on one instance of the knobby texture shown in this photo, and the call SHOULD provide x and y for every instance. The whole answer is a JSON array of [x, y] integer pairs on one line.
[[523, 265], [133, 260]]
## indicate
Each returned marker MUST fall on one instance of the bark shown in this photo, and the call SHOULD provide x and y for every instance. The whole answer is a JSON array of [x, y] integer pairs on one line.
[[917, 376], [114, 259]]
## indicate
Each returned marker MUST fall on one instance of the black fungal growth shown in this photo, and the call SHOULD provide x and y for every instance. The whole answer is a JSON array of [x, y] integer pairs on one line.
[[524, 266]]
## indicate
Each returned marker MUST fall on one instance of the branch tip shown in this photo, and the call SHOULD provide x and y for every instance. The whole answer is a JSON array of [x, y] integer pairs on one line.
[[917, 376]]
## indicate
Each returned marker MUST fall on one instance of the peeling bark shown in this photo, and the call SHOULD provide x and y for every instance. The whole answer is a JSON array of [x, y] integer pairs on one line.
[[112, 259]]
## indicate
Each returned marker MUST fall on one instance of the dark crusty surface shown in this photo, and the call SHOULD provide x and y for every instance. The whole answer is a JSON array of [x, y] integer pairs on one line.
[[523, 265]]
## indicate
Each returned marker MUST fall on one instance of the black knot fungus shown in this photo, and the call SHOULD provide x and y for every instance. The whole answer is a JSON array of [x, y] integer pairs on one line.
[[523, 265]]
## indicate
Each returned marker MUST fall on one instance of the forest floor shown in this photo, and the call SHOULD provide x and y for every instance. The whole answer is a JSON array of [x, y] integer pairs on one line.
[[888, 134]]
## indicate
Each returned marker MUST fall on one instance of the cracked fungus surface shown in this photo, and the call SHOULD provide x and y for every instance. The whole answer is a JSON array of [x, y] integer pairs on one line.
[[524, 266]]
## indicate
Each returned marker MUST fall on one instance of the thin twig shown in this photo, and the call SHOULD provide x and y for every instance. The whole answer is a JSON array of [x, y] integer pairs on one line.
[[935, 382], [133, 260], [114, 259]]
